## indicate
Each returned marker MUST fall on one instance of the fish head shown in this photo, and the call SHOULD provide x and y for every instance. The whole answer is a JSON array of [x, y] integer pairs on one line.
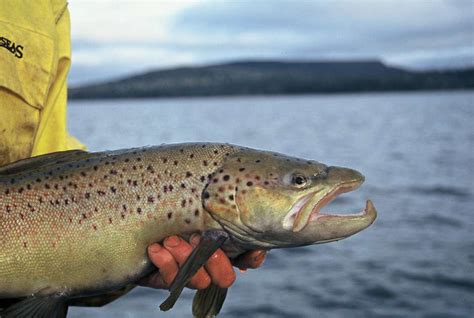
[[267, 200]]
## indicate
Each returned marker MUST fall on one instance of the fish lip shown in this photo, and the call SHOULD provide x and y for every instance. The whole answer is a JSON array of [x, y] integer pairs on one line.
[[290, 220]]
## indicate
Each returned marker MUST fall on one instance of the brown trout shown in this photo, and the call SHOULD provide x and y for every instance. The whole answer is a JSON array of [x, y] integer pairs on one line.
[[75, 226]]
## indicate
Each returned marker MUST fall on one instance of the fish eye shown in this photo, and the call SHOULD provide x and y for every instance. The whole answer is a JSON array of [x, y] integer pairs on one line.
[[299, 180]]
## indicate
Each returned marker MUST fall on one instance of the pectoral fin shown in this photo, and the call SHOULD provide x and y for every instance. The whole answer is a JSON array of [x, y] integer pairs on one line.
[[37, 307], [208, 302], [210, 242]]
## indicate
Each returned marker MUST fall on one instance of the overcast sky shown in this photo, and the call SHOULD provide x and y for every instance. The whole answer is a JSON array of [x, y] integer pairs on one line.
[[115, 38]]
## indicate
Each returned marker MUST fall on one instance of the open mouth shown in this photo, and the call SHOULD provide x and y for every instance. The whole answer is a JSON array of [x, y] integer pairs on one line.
[[308, 208]]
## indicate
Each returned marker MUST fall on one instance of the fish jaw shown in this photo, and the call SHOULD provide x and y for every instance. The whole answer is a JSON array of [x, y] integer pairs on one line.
[[324, 228]]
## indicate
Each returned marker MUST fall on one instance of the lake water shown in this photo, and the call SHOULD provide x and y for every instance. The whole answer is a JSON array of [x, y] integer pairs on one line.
[[416, 151]]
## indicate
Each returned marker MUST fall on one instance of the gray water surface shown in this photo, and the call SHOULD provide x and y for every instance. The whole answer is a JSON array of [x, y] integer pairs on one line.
[[416, 151]]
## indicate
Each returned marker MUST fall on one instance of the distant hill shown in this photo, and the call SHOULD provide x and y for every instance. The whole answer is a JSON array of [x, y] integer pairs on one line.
[[274, 77]]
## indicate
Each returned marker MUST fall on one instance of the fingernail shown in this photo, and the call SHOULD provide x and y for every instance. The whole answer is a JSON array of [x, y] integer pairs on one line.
[[260, 257], [242, 270], [172, 241], [155, 248], [195, 238]]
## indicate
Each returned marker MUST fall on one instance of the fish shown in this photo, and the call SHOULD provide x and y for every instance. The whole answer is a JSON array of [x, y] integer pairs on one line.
[[75, 225]]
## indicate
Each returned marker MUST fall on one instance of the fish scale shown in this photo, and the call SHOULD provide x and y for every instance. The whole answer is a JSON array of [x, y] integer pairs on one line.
[[121, 197]]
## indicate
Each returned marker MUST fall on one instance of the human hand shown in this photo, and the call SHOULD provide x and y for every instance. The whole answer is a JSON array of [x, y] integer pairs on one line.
[[218, 269]]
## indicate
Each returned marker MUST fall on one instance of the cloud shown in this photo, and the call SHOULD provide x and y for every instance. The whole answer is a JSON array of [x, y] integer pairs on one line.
[[121, 37]]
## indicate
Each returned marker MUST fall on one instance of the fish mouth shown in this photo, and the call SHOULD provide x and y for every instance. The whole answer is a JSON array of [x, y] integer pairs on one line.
[[308, 208]]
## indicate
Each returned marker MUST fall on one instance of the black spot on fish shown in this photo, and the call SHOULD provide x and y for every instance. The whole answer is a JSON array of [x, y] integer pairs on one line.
[[139, 210], [189, 174], [183, 203], [250, 183], [226, 177], [241, 169], [170, 214], [206, 195], [183, 186], [113, 189], [231, 197], [196, 212]]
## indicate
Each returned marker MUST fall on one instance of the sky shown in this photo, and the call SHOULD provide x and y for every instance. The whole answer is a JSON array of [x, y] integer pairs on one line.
[[112, 39]]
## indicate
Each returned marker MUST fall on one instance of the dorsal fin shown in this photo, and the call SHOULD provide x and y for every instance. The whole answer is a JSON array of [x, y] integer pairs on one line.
[[40, 161]]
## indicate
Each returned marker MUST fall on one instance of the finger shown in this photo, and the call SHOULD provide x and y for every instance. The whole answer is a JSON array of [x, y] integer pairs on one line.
[[181, 250], [252, 259], [164, 260], [154, 280], [218, 266]]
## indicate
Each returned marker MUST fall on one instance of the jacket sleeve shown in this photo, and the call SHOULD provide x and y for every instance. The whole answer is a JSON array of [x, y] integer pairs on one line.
[[35, 57]]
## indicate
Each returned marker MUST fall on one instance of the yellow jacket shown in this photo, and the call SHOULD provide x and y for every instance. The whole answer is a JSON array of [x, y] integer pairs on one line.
[[35, 57]]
